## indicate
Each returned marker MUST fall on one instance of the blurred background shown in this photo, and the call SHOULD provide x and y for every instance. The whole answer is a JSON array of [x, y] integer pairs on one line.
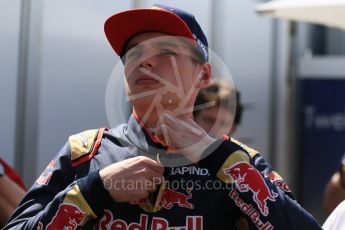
[[55, 63]]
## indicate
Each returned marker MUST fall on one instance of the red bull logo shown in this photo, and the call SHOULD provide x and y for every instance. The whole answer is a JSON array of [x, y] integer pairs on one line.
[[171, 197], [248, 178], [251, 212], [67, 217], [278, 180], [109, 221]]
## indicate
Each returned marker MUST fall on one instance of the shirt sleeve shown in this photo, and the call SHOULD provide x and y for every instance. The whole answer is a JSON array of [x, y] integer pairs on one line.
[[57, 200], [256, 190]]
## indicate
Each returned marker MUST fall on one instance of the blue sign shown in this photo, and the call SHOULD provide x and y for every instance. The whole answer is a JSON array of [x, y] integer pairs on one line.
[[322, 137]]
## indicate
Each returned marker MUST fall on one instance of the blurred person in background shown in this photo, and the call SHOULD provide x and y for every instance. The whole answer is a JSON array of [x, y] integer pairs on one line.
[[335, 189], [12, 190], [218, 118]]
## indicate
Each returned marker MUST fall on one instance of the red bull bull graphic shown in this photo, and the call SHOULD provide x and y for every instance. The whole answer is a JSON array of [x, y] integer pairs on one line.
[[68, 216], [248, 178], [171, 197], [108, 221]]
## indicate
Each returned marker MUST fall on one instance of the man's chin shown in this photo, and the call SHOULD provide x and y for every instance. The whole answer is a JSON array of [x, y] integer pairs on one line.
[[142, 102]]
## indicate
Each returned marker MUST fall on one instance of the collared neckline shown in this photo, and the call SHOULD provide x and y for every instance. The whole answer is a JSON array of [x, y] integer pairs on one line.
[[139, 136]]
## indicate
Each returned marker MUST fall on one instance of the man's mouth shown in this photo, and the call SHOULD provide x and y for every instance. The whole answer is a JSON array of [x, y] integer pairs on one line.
[[146, 80]]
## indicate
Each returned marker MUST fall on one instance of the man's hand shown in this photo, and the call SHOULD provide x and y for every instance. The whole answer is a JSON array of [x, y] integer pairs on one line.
[[132, 179], [183, 136]]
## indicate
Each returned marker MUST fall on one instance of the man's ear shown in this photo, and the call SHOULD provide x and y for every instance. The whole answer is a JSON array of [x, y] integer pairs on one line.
[[206, 76]]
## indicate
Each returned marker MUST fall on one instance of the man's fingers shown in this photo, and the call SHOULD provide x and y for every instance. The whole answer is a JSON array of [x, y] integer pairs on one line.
[[162, 134], [192, 123], [150, 174], [156, 167], [154, 184], [169, 120], [194, 129], [176, 123], [165, 134]]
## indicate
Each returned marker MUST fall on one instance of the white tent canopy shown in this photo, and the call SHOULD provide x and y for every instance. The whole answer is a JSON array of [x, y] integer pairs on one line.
[[326, 12]]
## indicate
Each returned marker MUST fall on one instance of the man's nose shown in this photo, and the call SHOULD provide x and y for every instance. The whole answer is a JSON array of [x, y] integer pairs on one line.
[[149, 58]]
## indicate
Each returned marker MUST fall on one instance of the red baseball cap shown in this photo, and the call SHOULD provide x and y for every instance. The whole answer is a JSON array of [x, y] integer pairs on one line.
[[122, 26]]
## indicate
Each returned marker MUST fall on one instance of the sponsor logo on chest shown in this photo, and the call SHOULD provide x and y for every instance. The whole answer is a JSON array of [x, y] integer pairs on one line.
[[189, 170], [157, 223]]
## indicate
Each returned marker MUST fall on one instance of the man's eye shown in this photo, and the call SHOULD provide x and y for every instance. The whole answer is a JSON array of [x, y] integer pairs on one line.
[[132, 54]]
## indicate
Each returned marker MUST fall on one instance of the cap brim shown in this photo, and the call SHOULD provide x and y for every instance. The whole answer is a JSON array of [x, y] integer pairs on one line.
[[120, 27]]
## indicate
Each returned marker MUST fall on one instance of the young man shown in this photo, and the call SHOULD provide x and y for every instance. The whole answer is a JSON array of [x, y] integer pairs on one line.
[[115, 179]]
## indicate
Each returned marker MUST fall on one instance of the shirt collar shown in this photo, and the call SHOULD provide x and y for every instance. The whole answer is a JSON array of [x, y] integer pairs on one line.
[[139, 136]]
